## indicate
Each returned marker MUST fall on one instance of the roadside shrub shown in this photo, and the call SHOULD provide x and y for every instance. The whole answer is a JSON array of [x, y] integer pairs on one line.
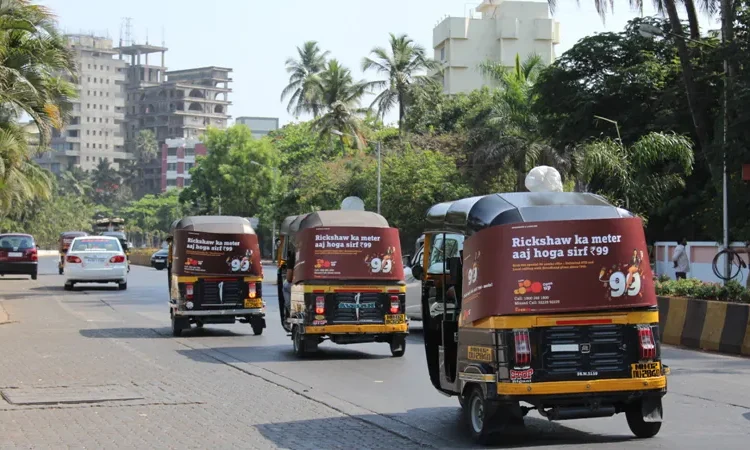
[[694, 288], [142, 256]]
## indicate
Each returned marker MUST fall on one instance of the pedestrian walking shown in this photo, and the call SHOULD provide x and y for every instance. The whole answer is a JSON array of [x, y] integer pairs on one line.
[[680, 260]]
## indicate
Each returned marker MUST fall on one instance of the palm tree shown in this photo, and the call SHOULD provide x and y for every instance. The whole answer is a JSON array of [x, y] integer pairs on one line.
[[339, 101], [641, 175], [21, 180], [75, 181], [35, 66], [510, 133], [303, 74], [146, 146], [402, 65]]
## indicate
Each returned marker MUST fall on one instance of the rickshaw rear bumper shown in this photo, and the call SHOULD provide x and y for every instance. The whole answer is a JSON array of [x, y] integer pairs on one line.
[[220, 312], [618, 387], [401, 328]]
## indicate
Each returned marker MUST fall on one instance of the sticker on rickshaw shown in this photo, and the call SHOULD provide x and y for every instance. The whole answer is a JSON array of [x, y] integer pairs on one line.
[[349, 253], [199, 253], [521, 376], [557, 266]]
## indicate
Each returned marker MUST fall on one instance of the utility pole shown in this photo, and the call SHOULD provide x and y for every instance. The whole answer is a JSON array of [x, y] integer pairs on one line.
[[726, 25]]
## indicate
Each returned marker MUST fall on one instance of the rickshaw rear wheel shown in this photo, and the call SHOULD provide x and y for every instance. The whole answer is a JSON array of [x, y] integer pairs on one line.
[[638, 426], [178, 324], [257, 328], [298, 342], [398, 346], [478, 415]]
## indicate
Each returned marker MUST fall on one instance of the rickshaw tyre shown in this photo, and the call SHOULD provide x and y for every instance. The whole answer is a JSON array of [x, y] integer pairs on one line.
[[34, 276], [122, 286], [395, 343], [639, 427], [485, 435], [178, 324], [257, 329], [298, 342], [68, 286]]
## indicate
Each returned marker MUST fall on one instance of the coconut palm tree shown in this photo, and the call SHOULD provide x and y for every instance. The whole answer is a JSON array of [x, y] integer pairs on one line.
[[641, 175], [339, 100], [21, 180], [510, 134], [303, 74], [403, 63], [35, 66]]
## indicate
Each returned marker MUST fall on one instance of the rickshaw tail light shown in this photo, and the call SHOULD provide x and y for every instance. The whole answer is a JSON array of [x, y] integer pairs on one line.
[[320, 304], [188, 291], [523, 347], [394, 304], [73, 259], [251, 292], [646, 342]]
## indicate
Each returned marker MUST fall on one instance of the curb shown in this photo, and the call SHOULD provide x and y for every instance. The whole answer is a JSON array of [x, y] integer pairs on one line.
[[705, 324]]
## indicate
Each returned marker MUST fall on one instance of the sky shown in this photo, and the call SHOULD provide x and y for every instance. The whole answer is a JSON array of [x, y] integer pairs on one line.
[[255, 37]]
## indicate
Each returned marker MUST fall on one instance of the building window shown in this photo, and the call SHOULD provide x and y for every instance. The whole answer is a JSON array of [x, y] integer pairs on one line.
[[108, 68], [100, 120], [100, 147], [107, 94], [88, 132], [94, 79], [100, 132], [188, 166], [88, 92], [87, 146], [88, 79], [88, 158], [190, 152], [106, 133], [171, 183], [186, 183], [107, 80], [442, 54], [88, 105], [172, 166], [94, 93], [106, 120], [172, 151], [107, 107], [106, 146], [89, 66]]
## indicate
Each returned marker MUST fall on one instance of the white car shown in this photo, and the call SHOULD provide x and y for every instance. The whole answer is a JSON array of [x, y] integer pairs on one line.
[[96, 259]]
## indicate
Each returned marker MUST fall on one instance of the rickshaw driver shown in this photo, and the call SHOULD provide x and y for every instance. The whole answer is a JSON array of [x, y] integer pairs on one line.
[[287, 288]]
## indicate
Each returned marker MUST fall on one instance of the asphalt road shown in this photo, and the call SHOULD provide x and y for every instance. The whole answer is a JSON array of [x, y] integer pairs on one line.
[[708, 400]]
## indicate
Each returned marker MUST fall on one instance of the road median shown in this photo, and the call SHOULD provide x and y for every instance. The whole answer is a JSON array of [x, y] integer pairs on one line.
[[705, 324]]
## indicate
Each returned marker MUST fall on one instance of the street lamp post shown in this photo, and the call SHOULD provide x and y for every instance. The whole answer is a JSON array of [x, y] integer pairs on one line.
[[377, 146], [650, 31]]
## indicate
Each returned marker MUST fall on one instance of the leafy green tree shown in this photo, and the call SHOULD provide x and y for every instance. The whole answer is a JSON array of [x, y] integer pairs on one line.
[[151, 216], [303, 82], [403, 63], [237, 177]]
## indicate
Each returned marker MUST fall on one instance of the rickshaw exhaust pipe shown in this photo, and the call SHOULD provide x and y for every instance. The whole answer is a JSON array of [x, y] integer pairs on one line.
[[577, 412]]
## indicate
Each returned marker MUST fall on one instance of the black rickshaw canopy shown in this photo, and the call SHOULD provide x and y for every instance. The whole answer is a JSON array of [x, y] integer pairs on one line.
[[213, 224], [470, 215], [333, 218]]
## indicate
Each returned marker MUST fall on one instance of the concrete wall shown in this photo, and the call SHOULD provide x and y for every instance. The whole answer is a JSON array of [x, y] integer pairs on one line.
[[700, 256]]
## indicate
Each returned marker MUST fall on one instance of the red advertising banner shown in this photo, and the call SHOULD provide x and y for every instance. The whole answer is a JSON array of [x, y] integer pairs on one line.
[[218, 254], [561, 266], [348, 253]]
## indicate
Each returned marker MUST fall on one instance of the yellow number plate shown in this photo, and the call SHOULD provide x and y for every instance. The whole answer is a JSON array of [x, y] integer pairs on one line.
[[391, 319], [480, 354], [253, 303], [645, 370]]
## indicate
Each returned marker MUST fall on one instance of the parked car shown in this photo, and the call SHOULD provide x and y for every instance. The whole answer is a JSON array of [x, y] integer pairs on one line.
[[96, 259], [159, 259], [18, 255]]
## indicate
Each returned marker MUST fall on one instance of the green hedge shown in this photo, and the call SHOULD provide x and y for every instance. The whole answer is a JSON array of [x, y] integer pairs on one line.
[[694, 288]]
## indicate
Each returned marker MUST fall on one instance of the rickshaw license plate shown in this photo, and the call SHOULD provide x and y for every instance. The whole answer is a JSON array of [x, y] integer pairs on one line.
[[645, 370], [391, 319]]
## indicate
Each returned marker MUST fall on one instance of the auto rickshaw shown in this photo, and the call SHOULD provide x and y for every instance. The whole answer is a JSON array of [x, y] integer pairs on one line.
[[214, 273], [347, 281], [66, 238], [548, 302]]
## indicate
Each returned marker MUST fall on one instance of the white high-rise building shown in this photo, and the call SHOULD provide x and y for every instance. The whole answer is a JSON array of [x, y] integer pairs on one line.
[[95, 130], [505, 29]]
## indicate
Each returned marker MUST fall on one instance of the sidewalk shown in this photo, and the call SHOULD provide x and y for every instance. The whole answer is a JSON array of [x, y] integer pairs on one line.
[[78, 372]]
